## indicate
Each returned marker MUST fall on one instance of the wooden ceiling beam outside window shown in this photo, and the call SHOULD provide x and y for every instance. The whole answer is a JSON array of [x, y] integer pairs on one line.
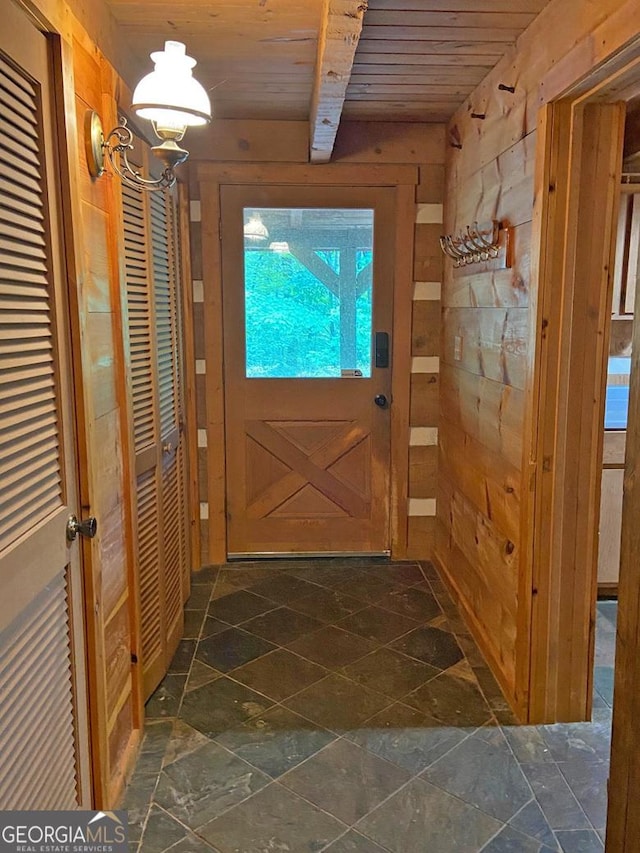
[[339, 36]]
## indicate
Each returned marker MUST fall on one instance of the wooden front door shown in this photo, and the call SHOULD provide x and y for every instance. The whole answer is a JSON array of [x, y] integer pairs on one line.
[[43, 730], [307, 293]]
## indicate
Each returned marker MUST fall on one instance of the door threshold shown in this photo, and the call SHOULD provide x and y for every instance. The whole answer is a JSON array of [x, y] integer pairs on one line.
[[303, 555]]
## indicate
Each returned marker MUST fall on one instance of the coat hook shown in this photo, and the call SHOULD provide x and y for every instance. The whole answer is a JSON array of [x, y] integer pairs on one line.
[[504, 88], [479, 115]]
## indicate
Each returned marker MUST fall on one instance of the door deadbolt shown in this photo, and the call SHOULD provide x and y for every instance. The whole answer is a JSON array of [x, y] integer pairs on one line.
[[381, 400], [88, 527]]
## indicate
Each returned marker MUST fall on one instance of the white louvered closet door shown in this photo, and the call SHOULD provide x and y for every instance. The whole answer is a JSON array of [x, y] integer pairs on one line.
[[43, 717]]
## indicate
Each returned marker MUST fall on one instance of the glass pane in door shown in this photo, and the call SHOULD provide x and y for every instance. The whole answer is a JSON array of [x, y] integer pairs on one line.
[[308, 292]]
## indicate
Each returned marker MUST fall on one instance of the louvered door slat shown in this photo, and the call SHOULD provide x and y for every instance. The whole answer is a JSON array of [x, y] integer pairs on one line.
[[151, 616], [25, 329], [137, 275], [35, 677]]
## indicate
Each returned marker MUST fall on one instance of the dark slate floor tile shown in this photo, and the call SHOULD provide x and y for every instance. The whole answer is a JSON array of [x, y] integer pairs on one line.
[[345, 780], [327, 605], [282, 626], [484, 773], [421, 817], [579, 740], [276, 741], [199, 598], [184, 740], [353, 842], [451, 701], [368, 587], [212, 626], [137, 800], [332, 647], [203, 784], [432, 646], [181, 661], [530, 821], [166, 699], [416, 603], [377, 624], [273, 819], [528, 744], [508, 840], [279, 674], [239, 606], [283, 588], [603, 681], [221, 705], [201, 674], [193, 620], [558, 804], [588, 781], [390, 673], [407, 737], [408, 573], [156, 737], [190, 844], [337, 703], [580, 841], [232, 648], [205, 575], [160, 832]]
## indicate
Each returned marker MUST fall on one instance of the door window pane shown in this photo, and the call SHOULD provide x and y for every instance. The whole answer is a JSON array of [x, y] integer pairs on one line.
[[308, 292]]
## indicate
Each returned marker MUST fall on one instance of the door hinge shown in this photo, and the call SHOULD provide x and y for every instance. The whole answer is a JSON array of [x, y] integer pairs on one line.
[[220, 229]]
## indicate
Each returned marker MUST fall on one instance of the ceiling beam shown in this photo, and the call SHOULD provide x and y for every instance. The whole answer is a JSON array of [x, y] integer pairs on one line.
[[339, 35]]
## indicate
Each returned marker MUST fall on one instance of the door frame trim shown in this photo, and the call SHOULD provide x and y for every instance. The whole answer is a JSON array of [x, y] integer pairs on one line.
[[210, 178]]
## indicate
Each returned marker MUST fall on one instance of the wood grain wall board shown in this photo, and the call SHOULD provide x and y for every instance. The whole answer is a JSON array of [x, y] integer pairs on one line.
[[425, 401], [494, 343], [593, 32], [420, 537], [477, 404], [508, 288], [389, 142], [118, 654], [483, 476], [425, 332], [472, 598], [431, 186], [428, 258], [495, 554], [502, 189], [423, 471], [251, 140]]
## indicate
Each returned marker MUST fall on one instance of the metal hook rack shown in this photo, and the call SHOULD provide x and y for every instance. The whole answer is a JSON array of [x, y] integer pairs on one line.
[[475, 244]]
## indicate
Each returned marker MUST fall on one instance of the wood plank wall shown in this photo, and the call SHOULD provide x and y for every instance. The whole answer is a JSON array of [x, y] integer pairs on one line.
[[85, 79], [357, 142], [485, 379]]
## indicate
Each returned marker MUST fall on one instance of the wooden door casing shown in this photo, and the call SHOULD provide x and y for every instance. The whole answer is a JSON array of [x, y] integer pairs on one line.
[[44, 738], [307, 460]]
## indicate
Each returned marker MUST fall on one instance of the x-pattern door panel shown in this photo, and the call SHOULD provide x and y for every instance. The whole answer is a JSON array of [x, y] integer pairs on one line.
[[307, 281]]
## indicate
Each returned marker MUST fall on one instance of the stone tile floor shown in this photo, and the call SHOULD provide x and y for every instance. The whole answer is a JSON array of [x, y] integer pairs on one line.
[[341, 706]]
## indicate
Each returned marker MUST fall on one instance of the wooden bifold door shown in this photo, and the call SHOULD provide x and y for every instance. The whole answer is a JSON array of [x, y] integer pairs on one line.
[[152, 266], [307, 277]]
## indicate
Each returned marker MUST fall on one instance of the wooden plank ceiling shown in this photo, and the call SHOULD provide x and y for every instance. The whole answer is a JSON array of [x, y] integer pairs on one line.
[[410, 60]]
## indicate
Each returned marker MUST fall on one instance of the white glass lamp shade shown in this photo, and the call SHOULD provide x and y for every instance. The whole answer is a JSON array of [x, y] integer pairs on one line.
[[170, 96]]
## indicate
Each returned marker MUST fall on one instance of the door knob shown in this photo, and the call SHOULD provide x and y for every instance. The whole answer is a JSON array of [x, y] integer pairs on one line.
[[380, 400], [88, 527]]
